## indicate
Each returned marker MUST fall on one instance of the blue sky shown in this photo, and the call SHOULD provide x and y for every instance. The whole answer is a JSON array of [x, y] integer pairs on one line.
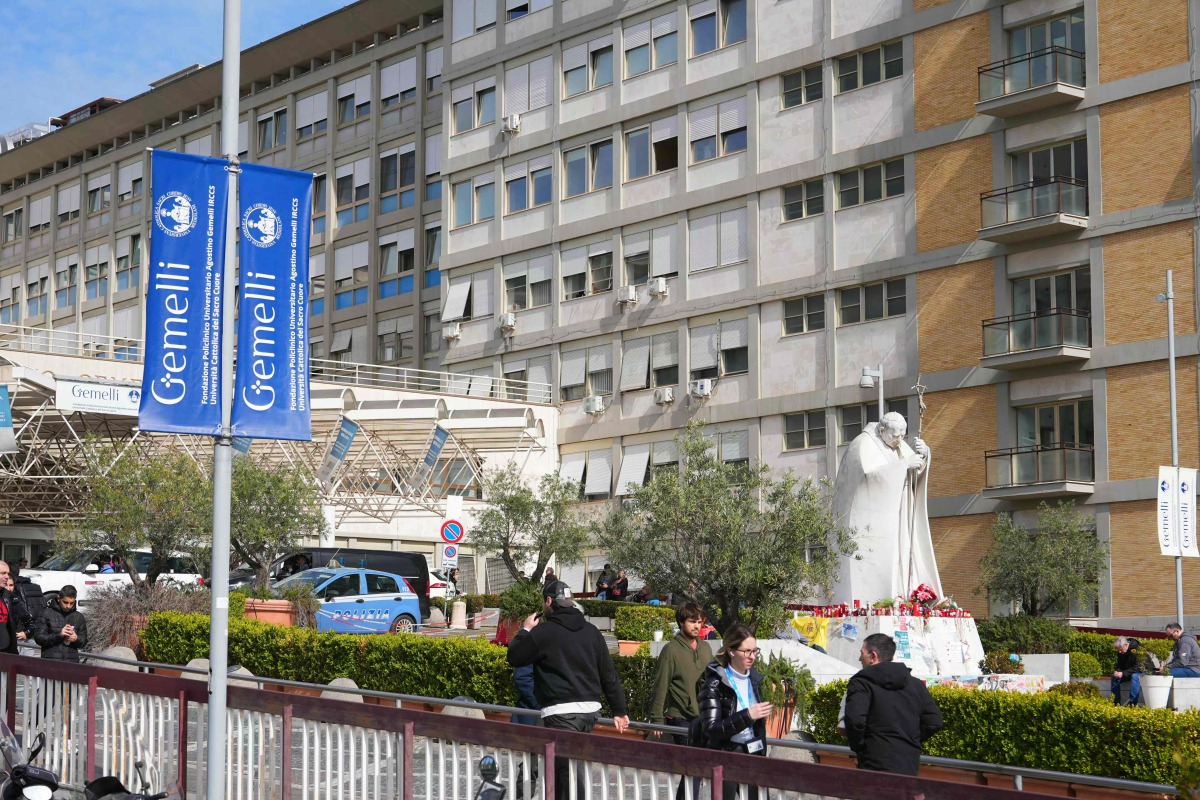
[[58, 56]]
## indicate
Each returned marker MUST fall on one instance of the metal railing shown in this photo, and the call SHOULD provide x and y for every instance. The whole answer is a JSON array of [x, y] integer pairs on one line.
[[1033, 464], [1031, 70], [1057, 195], [1021, 332], [87, 345]]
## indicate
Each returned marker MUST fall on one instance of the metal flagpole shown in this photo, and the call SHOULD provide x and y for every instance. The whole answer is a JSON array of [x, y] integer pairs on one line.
[[218, 637], [1170, 298]]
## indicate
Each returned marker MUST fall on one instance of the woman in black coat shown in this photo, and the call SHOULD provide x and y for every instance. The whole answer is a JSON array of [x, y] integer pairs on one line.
[[731, 705]]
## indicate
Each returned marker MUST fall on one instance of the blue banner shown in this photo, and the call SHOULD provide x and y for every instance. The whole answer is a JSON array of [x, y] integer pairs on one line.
[[270, 398], [181, 383], [347, 430], [8, 440]]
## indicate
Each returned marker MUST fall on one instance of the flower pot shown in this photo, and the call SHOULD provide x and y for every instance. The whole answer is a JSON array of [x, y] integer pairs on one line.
[[628, 647], [276, 612], [836, 760], [779, 721], [950, 775], [1156, 690]]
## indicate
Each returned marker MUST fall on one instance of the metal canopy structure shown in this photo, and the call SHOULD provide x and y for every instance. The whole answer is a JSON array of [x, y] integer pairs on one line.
[[383, 473]]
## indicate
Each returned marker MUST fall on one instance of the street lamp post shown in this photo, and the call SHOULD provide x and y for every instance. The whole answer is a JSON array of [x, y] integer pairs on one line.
[[869, 380]]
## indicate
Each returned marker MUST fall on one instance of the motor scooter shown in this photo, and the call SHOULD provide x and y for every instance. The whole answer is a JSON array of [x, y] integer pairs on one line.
[[22, 779], [111, 788]]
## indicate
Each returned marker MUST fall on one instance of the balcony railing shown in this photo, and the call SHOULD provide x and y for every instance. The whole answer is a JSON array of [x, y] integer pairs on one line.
[[1025, 201], [1021, 332], [1034, 464], [1031, 70]]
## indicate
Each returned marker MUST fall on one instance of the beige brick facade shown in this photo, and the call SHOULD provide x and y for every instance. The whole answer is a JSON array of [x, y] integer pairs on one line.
[[951, 304], [924, 5], [1146, 149], [1143, 580], [950, 179], [945, 85], [1135, 265], [959, 543], [1139, 418], [959, 426], [1138, 36]]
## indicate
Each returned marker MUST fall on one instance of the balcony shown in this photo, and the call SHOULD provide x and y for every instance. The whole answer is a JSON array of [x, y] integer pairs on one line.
[[1029, 82], [1042, 207], [1032, 340], [1040, 471]]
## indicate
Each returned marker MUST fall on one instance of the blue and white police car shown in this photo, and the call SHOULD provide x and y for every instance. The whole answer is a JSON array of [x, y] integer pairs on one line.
[[360, 600]]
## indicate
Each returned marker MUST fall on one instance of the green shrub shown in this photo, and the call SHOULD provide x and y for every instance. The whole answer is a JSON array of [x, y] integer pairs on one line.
[[439, 603], [1084, 665], [999, 662], [599, 608], [490, 600], [637, 680], [784, 681], [1021, 633], [638, 622], [1100, 647], [1079, 690], [824, 704], [474, 602], [171, 637], [520, 600]]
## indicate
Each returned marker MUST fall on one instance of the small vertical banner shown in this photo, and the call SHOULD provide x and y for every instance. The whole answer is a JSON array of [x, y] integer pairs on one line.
[[8, 439], [181, 382], [1166, 512], [270, 399], [1187, 513], [337, 451]]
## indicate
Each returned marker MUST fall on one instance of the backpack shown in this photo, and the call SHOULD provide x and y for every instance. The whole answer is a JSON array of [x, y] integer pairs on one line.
[[695, 735], [32, 594]]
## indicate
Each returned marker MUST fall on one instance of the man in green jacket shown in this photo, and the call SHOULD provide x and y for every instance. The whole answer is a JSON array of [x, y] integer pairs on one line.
[[680, 666]]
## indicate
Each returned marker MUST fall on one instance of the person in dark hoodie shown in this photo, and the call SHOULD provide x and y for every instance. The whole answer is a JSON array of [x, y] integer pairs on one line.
[[1128, 655], [61, 630], [572, 671], [889, 713]]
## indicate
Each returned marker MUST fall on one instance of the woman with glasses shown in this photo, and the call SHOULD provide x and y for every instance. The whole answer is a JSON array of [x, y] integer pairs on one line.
[[731, 704]]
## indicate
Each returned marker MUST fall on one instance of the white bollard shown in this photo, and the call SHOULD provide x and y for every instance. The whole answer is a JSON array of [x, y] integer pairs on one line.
[[458, 616]]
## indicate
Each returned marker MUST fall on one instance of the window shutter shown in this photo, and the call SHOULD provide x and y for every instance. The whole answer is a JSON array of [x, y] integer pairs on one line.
[[485, 13], [341, 341], [574, 57], [125, 323], [637, 243], [243, 136], [538, 5], [665, 350], [68, 198], [481, 294], [541, 269], [574, 261], [600, 248], [408, 74], [704, 347], [405, 239], [385, 326], [462, 23], [660, 26], [460, 93], [637, 35], [733, 115], [663, 250], [599, 357], [410, 147], [389, 80], [666, 128], [316, 265], [320, 106], [433, 62], [515, 270], [433, 153], [485, 83], [99, 181], [633, 467], [665, 452], [516, 88], [735, 333], [485, 179], [703, 122], [540, 73], [703, 7], [342, 170], [635, 365], [733, 236], [702, 243], [541, 162], [343, 263], [537, 370], [599, 472], [362, 172], [304, 112], [456, 299], [601, 43], [573, 371], [125, 176], [122, 247], [735, 445], [362, 89], [571, 468], [362, 254], [514, 171], [481, 384], [346, 89]]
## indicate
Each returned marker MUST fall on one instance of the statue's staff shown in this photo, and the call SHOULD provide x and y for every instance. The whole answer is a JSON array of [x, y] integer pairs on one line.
[[910, 479]]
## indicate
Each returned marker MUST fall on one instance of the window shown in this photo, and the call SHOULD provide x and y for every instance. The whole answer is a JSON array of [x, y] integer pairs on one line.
[[528, 184], [469, 297], [474, 105], [433, 167], [95, 268], [10, 299], [704, 22], [350, 276], [650, 254], [591, 470], [99, 194], [586, 270], [66, 284], [720, 349], [398, 83], [474, 200], [394, 339], [652, 149], [802, 86], [1041, 166], [804, 430], [13, 224], [804, 314], [433, 245], [637, 268], [37, 291], [871, 302], [312, 115], [600, 273], [854, 419], [469, 17], [1047, 294], [433, 333], [396, 264], [868, 184], [1056, 425], [397, 178], [650, 45], [1065, 31], [320, 203], [433, 70], [803, 199], [718, 130], [870, 66], [651, 361], [316, 350], [586, 372], [353, 190], [316, 284], [717, 239], [68, 204], [272, 130], [588, 168], [527, 283], [354, 99], [527, 86], [129, 181], [588, 66]]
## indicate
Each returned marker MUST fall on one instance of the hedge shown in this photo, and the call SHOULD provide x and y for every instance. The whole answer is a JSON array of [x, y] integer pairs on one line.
[[638, 622], [1084, 665], [1100, 647], [1046, 731]]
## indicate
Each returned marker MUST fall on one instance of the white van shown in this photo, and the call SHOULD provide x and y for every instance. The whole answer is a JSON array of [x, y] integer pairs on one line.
[[84, 572]]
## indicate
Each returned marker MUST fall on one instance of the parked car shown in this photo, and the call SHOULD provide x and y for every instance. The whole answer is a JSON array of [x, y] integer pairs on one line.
[[84, 572], [412, 566], [438, 583], [360, 600]]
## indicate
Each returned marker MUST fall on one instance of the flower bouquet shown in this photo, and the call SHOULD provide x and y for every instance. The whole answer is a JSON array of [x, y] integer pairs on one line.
[[924, 595]]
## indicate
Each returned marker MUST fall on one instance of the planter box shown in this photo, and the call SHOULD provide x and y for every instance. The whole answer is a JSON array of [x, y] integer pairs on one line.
[[628, 647], [836, 760], [602, 623], [276, 612], [300, 691], [609, 730], [1054, 788], [170, 673], [951, 775], [779, 722]]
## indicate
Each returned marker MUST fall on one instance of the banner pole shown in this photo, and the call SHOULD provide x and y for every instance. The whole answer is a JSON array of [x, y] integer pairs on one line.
[[1170, 298], [218, 636]]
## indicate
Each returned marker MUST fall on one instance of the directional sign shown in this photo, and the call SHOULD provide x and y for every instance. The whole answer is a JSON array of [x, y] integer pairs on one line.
[[1167, 512], [452, 531], [449, 556]]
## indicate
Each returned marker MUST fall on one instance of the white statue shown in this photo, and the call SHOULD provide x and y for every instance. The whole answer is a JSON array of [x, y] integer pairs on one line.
[[881, 492]]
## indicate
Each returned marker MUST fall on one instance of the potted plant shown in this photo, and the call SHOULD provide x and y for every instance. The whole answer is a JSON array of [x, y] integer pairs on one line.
[[517, 602], [1156, 687], [292, 606], [786, 687]]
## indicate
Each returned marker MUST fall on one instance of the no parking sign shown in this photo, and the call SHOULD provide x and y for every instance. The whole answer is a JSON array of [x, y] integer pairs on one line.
[[452, 534], [449, 556]]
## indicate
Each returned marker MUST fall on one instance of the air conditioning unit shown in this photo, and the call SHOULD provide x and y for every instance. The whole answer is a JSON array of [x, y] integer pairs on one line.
[[701, 388], [664, 396], [627, 295], [452, 331], [511, 124], [593, 404], [658, 288], [508, 322]]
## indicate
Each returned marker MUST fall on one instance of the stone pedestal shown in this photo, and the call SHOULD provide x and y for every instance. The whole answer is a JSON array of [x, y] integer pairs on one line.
[[458, 616]]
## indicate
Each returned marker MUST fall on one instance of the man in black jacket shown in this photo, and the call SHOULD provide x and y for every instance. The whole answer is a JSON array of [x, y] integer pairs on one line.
[[1128, 655], [10, 625], [889, 713], [572, 671], [61, 630]]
